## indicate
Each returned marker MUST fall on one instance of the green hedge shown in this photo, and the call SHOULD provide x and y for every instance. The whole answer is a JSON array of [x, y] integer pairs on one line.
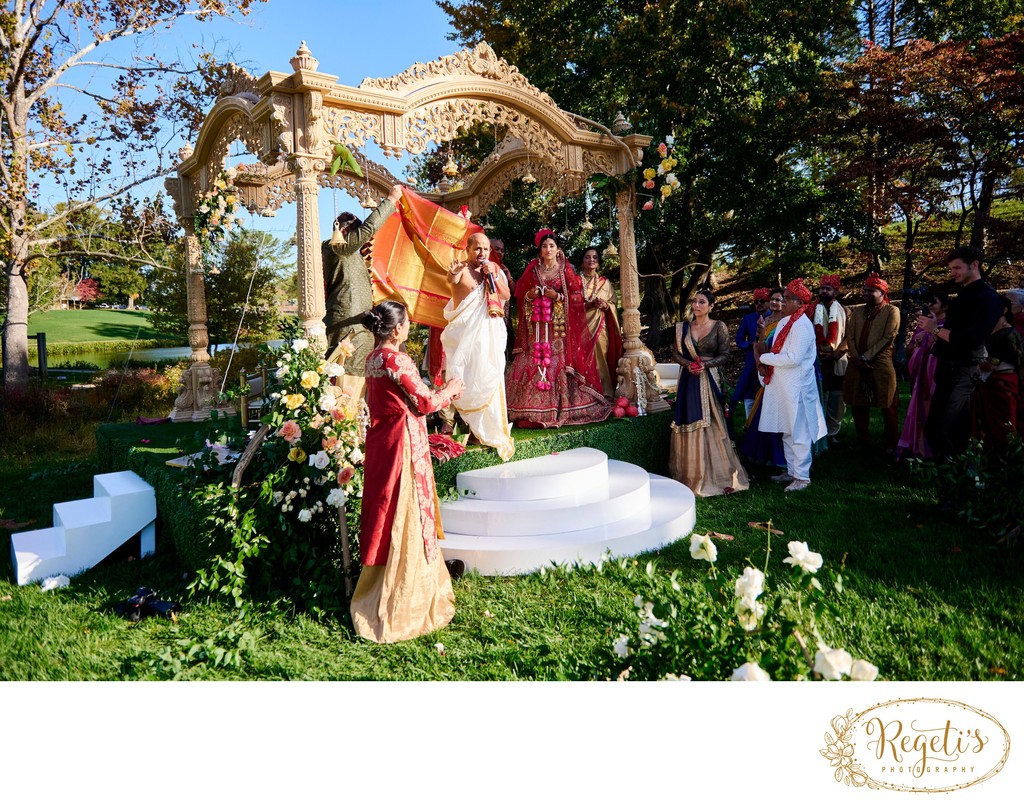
[[146, 449], [111, 346]]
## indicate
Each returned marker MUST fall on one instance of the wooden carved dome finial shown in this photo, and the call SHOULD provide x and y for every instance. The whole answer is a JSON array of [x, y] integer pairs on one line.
[[303, 59]]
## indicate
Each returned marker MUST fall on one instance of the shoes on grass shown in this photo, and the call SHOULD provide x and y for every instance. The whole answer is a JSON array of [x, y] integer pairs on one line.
[[456, 568], [782, 478], [797, 484]]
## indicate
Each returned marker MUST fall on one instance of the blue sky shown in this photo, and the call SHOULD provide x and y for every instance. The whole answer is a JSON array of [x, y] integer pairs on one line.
[[352, 40]]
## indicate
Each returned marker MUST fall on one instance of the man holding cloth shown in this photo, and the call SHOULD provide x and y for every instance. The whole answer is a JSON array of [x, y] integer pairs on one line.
[[790, 404], [474, 344]]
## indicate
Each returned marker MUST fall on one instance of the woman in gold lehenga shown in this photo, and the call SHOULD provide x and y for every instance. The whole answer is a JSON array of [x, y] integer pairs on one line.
[[602, 319], [404, 589], [701, 454]]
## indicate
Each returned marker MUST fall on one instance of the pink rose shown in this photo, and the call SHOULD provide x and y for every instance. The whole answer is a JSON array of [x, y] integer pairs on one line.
[[345, 475], [328, 443], [662, 149], [648, 205], [290, 432]]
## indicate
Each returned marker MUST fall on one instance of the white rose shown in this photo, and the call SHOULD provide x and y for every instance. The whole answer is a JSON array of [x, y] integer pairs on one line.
[[300, 344], [832, 664], [328, 402], [333, 369], [800, 555], [749, 613], [281, 371], [702, 548], [356, 456], [278, 496], [305, 515], [320, 460], [669, 140], [749, 672], [621, 646], [863, 671], [750, 586], [673, 677], [336, 498]]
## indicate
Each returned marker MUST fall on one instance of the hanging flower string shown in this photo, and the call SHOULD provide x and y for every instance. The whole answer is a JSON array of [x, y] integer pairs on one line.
[[541, 316], [217, 212], [664, 173]]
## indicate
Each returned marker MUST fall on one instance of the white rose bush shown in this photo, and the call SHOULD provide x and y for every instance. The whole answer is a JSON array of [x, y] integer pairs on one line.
[[285, 521], [733, 627]]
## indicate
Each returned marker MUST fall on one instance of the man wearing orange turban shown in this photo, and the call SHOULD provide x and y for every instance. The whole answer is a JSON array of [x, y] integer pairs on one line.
[[790, 404]]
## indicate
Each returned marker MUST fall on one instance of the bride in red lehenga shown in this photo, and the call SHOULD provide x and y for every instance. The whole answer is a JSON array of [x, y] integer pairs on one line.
[[404, 589], [553, 378]]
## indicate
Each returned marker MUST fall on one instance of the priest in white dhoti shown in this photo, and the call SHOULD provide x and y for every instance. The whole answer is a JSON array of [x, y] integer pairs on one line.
[[474, 345], [791, 404]]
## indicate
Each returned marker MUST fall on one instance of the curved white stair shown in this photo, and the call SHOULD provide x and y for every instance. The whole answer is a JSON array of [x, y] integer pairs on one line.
[[635, 512]]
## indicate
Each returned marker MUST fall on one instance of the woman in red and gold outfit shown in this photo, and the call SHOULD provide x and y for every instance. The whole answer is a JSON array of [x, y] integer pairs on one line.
[[602, 320], [553, 378], [404, 589]]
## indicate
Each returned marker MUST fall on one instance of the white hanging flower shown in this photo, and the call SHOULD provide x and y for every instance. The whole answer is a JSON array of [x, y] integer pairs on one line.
[[300, 344], [750, 585], [305, 515], [336, 498]]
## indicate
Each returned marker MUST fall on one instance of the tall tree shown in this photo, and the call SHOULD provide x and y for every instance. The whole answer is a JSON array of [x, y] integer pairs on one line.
[[244, 277], [77, 115], [737, 83]]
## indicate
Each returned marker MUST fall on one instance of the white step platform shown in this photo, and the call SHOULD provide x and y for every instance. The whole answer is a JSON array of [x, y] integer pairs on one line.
[[569, 507], [85, 531]]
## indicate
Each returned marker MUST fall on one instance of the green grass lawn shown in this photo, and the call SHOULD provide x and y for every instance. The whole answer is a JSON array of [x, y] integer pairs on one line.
[[95, 325], [925, 597]]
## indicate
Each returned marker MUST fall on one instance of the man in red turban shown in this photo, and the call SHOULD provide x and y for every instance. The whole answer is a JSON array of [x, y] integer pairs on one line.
[[790, 404], [830, 332], [870, 379]]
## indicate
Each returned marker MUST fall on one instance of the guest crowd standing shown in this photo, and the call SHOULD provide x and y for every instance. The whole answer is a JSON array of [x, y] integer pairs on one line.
[[701, 454], [870, 380]]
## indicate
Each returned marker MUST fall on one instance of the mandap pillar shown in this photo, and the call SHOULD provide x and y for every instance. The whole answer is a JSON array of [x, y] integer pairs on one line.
[[200, 383], [637, 363], [312, 303]]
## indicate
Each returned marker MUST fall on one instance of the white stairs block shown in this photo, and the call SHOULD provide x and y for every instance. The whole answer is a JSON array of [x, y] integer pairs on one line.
[[85, 531], [569, 507]]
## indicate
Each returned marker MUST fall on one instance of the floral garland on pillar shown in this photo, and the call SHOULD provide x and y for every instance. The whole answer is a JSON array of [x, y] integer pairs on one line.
[[217, 213]]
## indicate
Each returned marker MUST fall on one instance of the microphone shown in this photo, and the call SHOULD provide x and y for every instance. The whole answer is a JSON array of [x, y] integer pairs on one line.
[[492, 287]]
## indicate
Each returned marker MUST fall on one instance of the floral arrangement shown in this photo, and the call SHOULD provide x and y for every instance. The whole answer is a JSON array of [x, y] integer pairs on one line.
[[663, 174], [548, 320], [281, 534], [216, 214], [319, 443], [738, 630]]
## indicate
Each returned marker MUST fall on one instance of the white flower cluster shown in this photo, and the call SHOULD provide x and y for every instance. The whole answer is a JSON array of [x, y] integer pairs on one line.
[[216, 214], [834, 664], [748, 588]]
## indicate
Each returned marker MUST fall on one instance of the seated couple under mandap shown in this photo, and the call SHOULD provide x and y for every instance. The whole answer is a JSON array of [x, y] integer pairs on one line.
[[553, 379]]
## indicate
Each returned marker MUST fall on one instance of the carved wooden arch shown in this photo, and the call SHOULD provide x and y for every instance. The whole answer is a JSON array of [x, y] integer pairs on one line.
[[291, 121]]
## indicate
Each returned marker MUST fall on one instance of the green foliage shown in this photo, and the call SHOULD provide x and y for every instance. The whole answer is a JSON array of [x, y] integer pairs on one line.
[[985, 486], [708, 629], [242, 273]]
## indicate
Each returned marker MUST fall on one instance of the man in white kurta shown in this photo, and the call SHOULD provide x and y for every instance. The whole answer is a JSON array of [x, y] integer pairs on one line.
[[791, 404], [474, 346]]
